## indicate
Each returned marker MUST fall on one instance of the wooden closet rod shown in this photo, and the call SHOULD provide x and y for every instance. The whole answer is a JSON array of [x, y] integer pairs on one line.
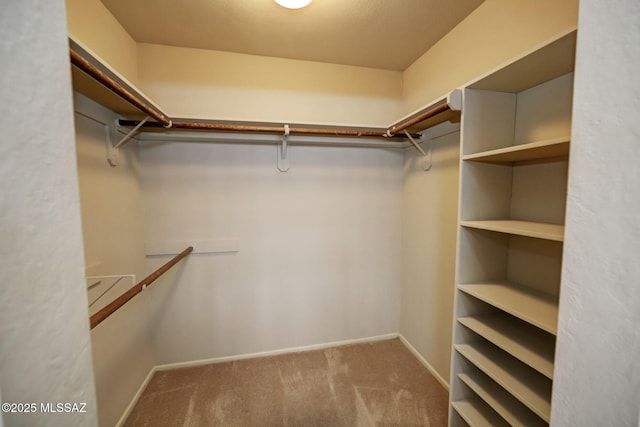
[[116, 88], [394, 131], [400, 127], [112, 307], [262, 129], [162, 120]]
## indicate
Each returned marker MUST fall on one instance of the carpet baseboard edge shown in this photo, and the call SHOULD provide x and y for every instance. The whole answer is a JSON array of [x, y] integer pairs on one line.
[[422, 360], [136, 397], [312, 347]]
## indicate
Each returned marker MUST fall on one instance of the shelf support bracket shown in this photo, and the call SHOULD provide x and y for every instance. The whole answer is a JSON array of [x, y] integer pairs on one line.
[[283, 158], [113, 150], [426, 158]]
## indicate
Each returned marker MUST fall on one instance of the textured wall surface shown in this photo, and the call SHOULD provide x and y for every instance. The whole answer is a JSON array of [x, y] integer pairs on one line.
[[319, 257], [597, 376], [45, 355]]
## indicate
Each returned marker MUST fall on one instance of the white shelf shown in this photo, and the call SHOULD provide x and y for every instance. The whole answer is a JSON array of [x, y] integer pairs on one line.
[[516, 148], [558, 147], [537, 230], [553, 60], [536, 308], [501, 401], [90, 87], [523, 341], [477, 413], [526, 385]]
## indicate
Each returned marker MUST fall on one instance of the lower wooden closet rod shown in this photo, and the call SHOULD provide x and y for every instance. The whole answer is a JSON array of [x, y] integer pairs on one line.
[[111, 308]]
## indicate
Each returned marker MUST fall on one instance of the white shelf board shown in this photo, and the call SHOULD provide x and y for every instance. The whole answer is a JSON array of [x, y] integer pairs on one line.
[[89, 87], [477, 413], [553, 60], [525, 342], [551, 148], [536, 308], [526, 385], [537, 230], [514, 412]]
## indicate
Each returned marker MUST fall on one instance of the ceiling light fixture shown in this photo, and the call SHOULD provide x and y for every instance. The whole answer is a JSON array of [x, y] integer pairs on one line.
[[293, 4]]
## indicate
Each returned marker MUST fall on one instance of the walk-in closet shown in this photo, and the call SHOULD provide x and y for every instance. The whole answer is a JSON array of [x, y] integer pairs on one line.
[[320, 213]]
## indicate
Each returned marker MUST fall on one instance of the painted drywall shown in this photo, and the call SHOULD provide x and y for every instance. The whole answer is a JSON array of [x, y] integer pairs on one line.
[[319, 246], [45, 354], [491, 36], [429, 215], [91, 23], [113, 232], [230, 86], [597, 380]]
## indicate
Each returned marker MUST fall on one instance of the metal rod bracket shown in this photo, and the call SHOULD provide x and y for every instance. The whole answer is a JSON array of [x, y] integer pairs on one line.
[[113, 154], [283, 158], [113, 150], [426, 158]]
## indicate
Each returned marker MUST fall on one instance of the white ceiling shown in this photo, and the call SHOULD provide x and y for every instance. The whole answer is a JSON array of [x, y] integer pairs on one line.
[[386, 34]]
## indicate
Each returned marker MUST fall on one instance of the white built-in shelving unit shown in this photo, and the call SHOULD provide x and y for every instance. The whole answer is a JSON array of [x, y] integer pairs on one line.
[[515, 145]]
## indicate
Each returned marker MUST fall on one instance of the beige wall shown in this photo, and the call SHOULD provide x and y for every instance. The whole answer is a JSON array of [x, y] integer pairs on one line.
[[319, 246], [113, 231], [231, 86], [491, 36], [91, 23], [45, 353], [429, 220]]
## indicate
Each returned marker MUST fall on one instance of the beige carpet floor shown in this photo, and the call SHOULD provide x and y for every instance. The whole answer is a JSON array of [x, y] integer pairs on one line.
[[365, 385]]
